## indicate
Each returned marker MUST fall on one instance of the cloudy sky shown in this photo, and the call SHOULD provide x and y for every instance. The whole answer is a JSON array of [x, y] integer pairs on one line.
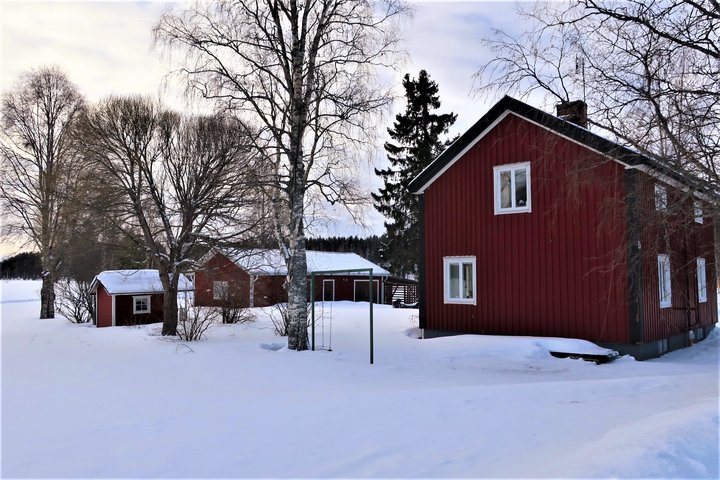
[[106, 47]]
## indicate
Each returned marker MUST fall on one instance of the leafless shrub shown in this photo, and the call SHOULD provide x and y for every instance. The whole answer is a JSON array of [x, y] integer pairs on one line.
[[232, 312], [194, 322], [280, 318], [74, 301]]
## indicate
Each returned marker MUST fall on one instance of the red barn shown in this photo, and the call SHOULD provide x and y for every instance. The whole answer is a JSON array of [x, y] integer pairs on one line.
[[532, 225], [130, 297], [256, 278]]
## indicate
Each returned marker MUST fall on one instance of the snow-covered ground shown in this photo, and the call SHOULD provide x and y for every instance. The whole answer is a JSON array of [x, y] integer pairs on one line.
[[80, 402]]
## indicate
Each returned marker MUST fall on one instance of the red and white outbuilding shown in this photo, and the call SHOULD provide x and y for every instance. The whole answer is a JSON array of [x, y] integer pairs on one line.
[[130, 297]]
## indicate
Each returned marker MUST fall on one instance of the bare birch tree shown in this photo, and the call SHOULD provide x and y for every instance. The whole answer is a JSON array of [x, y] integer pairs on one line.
[[39, 170], [173, 182], [305, 72], [648, 70]]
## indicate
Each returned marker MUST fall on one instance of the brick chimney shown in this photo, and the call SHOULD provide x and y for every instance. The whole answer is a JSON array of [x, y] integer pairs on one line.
[[575, 112]]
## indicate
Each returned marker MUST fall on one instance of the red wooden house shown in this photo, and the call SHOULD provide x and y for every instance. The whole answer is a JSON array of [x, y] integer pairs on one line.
[[130, 297], [532, 225], [256, 278]]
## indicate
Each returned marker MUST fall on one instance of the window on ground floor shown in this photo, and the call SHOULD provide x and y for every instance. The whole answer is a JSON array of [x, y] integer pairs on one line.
[[701, 280], [664, 281], [141, 304], [220, 290], [459, 273]]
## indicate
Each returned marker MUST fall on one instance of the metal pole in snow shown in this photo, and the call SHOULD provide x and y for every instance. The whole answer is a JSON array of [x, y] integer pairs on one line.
[[312, 303], [371, 318]]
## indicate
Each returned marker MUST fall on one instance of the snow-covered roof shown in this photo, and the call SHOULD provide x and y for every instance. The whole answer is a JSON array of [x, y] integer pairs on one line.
[[125, 282], [271, 262]]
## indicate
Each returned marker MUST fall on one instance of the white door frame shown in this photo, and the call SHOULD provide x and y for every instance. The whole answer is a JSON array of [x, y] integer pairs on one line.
[[376, 296], [331, 281]]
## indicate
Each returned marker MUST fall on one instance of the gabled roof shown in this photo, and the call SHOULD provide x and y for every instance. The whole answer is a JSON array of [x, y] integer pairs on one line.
[[271, 262], [126, 282], [509, 105]]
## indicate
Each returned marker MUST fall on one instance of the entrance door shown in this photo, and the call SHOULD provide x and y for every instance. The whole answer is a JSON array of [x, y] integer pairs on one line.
[[328, 293], [362, 291]]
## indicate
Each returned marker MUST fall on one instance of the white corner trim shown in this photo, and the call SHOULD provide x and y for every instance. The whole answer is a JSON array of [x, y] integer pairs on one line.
[[113, 309]]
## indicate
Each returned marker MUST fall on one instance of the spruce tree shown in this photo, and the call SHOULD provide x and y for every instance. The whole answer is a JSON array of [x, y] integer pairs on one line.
[[416, 135]]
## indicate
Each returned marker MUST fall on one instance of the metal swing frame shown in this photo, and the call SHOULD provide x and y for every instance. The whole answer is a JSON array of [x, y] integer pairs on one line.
[[312, 302]]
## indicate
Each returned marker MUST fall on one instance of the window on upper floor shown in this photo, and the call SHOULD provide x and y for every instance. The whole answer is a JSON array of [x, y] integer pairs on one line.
[[701, 280], [512, 188], [661, 202], [459, 276], [664, 281], [698, 212]]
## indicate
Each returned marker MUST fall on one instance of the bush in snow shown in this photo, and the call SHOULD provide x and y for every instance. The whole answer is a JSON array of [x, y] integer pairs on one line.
[[194, 321], [281, 318], [232, 312], [74, 301]]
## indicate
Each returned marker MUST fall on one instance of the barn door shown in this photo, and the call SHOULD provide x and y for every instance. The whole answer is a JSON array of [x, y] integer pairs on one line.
[[362, 291], [328, 293]]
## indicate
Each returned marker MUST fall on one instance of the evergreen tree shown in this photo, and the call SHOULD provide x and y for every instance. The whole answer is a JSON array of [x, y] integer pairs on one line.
[[416, 134]]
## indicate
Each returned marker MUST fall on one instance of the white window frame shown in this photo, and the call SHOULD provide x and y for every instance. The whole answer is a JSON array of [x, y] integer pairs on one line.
[[447, 261], [217, 294], [701, 280], [137, 298], [664, 281], [661, 202], [512, 167], [698, 212]]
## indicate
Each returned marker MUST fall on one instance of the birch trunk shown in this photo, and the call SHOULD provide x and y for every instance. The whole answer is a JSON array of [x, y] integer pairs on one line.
[[47, 295], [297, 293]]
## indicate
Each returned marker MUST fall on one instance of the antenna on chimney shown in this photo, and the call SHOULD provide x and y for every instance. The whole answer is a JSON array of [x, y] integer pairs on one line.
[[580, 70]]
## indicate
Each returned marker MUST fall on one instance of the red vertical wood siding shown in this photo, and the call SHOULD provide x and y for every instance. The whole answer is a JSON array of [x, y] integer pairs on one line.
[[104, 308], [268, 289], [124, 310], [220, 268], [560, 270], [677, 235]]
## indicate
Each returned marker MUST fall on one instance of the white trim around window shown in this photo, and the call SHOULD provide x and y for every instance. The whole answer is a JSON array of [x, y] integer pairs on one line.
[[141, 304], [701, 280], [698, 212], [661, 201], [664, 281], [460, 280], [511, 188]]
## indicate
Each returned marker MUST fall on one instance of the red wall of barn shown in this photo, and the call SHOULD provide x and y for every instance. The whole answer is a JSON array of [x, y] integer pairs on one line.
[[560, 270], [104, 308], [268, 289], [220, 268], [684, 240], [124, 310], [345, 286]]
